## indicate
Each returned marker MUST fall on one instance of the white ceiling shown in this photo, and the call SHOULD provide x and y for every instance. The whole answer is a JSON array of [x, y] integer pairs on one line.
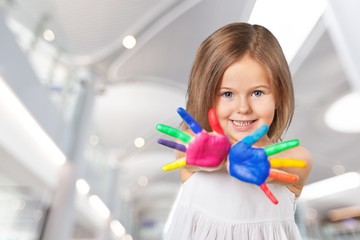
[[144, 86]]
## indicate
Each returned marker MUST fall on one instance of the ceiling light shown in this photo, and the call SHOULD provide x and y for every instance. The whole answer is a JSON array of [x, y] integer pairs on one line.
[[338, 169], [49, 35], [38, 215], [18, 204], [117, 228], [99, 206], [342, 116], [94, 140], [139, 142], [129, 42], [127, 237], [331, 186], [82, 186], [143, 181]]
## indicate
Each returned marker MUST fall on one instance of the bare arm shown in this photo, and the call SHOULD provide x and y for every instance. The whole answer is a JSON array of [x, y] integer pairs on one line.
[[300, 153], [187, 171], [184, 172]]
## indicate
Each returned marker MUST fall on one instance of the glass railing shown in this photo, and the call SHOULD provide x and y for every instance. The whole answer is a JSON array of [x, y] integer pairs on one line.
[[22, 210]]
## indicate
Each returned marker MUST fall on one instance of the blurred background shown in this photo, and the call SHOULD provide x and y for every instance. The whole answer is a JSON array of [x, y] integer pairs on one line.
[[83, 84]]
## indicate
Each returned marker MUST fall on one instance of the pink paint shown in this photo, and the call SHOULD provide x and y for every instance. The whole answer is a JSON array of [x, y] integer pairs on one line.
[[207, 149]]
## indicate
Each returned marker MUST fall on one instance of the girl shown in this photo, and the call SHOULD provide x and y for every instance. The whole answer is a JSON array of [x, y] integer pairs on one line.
[[241, 72]]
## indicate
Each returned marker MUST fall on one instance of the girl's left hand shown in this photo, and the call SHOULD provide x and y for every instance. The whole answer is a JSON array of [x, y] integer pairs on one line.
[[252, 165]]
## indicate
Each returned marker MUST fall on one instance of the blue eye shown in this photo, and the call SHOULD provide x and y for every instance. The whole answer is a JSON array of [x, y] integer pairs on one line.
[[227, 94], [257, 93]]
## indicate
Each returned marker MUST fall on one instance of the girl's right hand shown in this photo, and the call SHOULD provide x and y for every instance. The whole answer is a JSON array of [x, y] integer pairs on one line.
[[204, 149]]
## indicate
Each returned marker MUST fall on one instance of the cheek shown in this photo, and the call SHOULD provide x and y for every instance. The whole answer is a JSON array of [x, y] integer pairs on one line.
[[222, 110], [221, 113], [268, 110]]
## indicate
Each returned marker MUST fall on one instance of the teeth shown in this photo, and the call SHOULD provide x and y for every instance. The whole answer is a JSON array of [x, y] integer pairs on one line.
[[242, 123]]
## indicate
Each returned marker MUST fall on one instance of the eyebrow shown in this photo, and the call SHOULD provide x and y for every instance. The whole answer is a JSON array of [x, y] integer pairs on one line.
[[253, 87], [262, 86]]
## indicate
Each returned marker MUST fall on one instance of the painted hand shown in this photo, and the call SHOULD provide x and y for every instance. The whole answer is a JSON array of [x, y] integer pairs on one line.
[[204, 149], [252, 165]]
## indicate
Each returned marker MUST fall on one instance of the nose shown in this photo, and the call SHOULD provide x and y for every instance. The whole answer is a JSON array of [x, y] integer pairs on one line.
[[243, 105]]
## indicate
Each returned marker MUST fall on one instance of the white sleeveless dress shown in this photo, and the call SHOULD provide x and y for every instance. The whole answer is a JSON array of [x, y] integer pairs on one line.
[[214, 205]]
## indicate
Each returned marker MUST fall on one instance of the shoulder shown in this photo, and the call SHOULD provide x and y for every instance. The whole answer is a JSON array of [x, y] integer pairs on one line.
[[302, 153], [299, 153]]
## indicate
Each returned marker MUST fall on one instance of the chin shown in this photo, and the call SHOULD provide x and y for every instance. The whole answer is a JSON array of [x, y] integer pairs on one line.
[[238, 137]]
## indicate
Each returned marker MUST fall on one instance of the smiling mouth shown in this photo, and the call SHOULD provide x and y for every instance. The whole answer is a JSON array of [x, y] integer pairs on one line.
[[242, 123]]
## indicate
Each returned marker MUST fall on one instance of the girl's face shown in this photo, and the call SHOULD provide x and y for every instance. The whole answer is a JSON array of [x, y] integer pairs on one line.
[[245, 100]]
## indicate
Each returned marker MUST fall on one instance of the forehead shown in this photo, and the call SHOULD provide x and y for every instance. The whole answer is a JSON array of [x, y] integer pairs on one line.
[[246, 71]]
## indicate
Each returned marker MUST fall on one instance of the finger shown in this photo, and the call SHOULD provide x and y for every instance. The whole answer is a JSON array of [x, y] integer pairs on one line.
[[174, 165], [283, 176], [268, 193], [286, 162], [195, 127], [174, 132], [255, 136], [279, 147], [172, 144], [214, 122]]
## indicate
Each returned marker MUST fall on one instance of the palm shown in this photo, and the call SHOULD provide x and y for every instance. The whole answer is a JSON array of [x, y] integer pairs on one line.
[[207, 150], [204, 149], [252, 165]]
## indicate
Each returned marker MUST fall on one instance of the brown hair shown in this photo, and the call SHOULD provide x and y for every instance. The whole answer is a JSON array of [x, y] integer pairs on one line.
[[226, 46]]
